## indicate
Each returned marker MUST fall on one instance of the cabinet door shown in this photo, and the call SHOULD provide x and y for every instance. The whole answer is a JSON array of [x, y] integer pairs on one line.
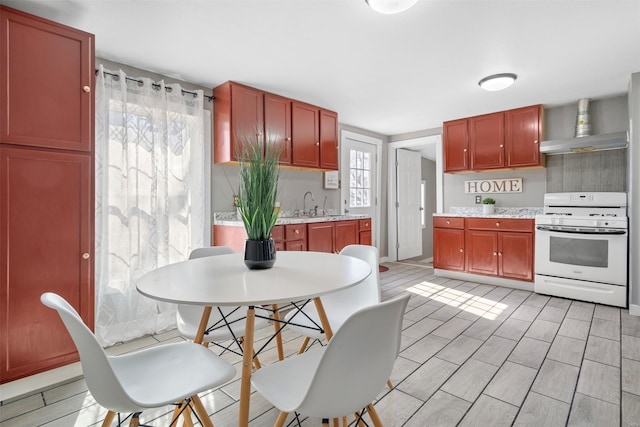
[[328, 140], [486, 141], [346, 234], [482, 252], [46, 83], [46, 235], [456, 140], [365, 238], [448, 249], [320, 236], [247, 117], [277, 124], [296, 245], [523, 136], [515, 256], [305, 135]]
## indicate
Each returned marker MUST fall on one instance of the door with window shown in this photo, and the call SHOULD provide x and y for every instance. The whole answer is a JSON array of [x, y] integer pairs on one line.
[[359, 178]]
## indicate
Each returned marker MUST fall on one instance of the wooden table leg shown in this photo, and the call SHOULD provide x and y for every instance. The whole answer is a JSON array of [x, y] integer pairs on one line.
[[276, 326], [206, 312], [323, 318], [108, 419], [247, 356]]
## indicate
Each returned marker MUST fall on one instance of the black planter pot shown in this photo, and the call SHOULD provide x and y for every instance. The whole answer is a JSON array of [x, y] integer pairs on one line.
[[259, 254]]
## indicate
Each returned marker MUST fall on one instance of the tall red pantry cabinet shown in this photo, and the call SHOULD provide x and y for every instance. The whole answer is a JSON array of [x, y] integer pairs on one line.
[[46, 188]]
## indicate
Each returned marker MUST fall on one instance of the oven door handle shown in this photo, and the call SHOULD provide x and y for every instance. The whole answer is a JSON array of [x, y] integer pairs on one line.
[[555, 230]]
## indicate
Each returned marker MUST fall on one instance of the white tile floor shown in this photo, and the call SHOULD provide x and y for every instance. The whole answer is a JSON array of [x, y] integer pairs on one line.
[[472, 355]]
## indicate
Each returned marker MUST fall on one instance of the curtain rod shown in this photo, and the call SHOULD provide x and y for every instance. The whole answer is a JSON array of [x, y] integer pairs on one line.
[[155, 85]]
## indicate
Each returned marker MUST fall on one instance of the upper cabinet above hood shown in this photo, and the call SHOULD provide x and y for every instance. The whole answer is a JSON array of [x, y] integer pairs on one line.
[[585, 144]]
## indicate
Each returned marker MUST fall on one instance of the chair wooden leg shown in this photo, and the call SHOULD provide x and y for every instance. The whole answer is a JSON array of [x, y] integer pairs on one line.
[[389, 384], [108, 419], [201, 411], [276, 327], [134, 421], [344, 422], [256, 361], [377, 422], [175, 415], [325, 422], [281, 419], [359, 421], [304, 345], [336, 422]]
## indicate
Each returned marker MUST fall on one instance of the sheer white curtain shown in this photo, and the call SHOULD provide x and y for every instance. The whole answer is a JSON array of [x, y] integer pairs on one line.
[[150, 196]]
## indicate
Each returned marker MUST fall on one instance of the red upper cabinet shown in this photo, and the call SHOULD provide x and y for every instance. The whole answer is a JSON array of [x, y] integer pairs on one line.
[[238, 113], [523, 135], [456, 144], [46, 83], [305, 131], [277, 124], [486, 141], [328, 140]]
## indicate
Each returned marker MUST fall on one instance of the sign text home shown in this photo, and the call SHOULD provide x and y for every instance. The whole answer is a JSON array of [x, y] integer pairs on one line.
[[508, 185]]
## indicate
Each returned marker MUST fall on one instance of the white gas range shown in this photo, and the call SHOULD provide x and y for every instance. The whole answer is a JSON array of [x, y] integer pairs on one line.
[[581, 247]]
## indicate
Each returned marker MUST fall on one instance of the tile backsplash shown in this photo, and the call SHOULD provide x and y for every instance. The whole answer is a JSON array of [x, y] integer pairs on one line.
[[596, 171]]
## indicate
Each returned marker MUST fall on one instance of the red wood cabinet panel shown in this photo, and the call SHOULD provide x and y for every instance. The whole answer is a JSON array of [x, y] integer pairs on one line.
[[515, 255], [523, 135], [482, 252], [500, 224], [296, 237], [232, 236], [328, 140], [448, 249], [366, 238], [277, 124], [456, 145], [346, 233], [305, 135], [448, 222], [277, 234], [320, 236], [46, 83], [486, 141], [238, 119], [46, 233]]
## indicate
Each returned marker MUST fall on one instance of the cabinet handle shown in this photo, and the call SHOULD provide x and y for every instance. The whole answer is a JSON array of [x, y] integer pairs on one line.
[[317, 145], [288, 139], [297, 231], [465, 150], [495, 253], [501, 145], [461, 250], [86, 255], [499, 253], [497, 224], [448, 222], [535, 141], [366, 224], [86, 89]]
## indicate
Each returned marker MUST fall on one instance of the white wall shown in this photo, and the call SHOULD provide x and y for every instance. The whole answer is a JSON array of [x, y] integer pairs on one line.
[[633, 185]]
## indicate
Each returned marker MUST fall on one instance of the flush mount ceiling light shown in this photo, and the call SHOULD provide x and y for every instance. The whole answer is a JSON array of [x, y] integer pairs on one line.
[[390, 6], [497, 81]]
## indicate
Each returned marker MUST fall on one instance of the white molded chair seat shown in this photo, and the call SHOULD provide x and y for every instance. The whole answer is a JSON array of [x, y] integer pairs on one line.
[[148, 378], [344, 376], [188, 316], [341, 304]]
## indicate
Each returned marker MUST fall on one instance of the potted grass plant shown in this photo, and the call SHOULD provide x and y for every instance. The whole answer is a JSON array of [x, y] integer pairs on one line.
[[488, 206], [257, 196]]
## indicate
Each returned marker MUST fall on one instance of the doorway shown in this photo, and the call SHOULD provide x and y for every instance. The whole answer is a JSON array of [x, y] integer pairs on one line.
[[360, 178], [431, 148]]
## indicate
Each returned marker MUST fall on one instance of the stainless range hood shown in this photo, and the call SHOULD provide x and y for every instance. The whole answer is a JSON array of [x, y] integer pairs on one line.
[[585, 144]]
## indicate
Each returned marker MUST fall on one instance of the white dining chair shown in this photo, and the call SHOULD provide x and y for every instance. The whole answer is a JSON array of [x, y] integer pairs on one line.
[[343, 377], [225, 323], [341, 304], [150, 378]]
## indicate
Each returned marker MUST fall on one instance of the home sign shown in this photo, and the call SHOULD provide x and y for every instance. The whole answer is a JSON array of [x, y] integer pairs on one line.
[[508, 185]]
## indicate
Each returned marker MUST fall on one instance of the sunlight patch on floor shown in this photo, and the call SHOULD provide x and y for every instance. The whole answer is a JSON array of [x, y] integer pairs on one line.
[[474, 304]]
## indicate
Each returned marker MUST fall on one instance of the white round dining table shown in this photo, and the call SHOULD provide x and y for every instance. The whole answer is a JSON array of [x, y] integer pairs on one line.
[[224, 280]]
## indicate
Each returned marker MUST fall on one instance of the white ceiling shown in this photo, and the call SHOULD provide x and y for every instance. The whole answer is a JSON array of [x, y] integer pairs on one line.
[[390, 74]]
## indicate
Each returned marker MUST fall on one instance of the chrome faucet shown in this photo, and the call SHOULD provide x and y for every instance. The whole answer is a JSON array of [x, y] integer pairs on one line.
[[304, 202]]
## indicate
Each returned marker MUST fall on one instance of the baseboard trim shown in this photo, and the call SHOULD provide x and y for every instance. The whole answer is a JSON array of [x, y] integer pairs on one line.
[[634, 310], [43, 380], [489, 280]]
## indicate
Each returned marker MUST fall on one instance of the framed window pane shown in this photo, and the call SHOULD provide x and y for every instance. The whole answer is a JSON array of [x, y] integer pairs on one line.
[[359, 179]]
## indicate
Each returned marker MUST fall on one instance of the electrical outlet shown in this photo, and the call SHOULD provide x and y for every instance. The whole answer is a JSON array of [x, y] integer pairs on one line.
[[478, 200]]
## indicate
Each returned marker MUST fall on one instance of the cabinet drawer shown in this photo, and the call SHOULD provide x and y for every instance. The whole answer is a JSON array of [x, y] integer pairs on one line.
[[365, 224], [295, 231], [277, 234], [500, 224], [448, 222]]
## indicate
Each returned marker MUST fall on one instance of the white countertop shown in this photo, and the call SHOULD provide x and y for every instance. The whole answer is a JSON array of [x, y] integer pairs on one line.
[[230, 218], [476, 212]]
